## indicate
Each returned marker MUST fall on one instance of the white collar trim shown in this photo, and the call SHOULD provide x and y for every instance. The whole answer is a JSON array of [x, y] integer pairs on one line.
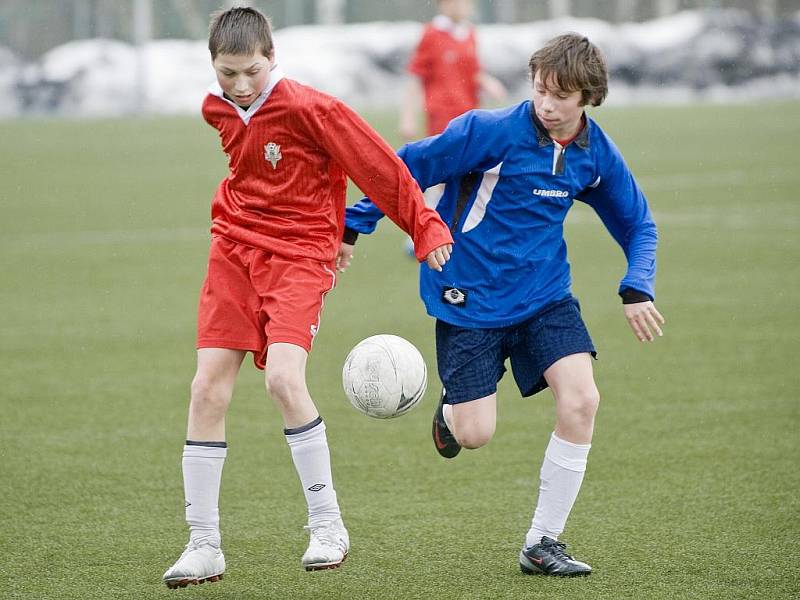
[[459, 31], [276, 75]]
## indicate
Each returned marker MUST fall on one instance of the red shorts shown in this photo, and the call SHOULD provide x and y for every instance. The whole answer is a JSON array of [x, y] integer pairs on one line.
[[252, 298]]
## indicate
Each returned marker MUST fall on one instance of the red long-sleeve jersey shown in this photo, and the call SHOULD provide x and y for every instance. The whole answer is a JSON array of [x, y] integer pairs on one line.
[[448, 68], [289, 155]]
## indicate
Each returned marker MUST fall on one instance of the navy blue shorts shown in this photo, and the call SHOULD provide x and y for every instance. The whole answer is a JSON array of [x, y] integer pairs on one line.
[[471, 361]]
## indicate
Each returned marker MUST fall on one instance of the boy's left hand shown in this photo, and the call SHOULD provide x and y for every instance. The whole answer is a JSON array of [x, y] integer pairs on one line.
[[437, 258], [644, 320], [344, 256]]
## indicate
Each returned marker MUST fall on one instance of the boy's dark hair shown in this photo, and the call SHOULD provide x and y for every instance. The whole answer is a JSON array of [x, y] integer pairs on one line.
[[576, 64], [240, 30]]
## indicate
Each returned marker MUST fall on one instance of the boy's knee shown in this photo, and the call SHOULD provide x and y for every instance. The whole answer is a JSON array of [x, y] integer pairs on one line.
[[584, 402], [282, 383], [474, 437], [208, 394]]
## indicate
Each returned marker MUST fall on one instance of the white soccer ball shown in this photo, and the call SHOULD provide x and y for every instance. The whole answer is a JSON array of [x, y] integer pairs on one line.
[[384, 376]]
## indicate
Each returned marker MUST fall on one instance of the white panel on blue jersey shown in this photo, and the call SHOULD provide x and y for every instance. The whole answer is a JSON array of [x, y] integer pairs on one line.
[[478, 210]]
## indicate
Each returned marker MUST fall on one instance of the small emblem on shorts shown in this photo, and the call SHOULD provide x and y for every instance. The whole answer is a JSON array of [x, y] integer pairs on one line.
[[314, 330], [455, 296], [272, 153]]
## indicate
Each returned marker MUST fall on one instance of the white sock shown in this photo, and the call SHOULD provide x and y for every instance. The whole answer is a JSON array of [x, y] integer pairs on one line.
[[448, 416], [312, 459], [561, 477], [202, 473]]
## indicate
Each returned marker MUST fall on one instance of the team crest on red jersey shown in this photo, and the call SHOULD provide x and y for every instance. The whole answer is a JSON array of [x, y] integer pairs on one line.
[[272, 153]]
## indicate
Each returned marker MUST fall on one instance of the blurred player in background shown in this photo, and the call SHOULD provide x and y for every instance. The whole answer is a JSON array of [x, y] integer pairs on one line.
[[446, 75], [277, 221], [510, 178], [446, 78]]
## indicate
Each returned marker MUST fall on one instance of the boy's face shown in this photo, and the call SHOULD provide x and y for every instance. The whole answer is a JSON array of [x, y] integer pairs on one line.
[[243, 77], [458, 10], [559, 111]]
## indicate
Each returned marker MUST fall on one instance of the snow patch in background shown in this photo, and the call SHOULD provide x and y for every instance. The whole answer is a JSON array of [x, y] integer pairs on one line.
[[717, 56]]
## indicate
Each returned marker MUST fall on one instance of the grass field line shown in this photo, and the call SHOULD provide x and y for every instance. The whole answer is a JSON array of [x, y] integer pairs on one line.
[[111, 236], [708, 217], [717, 179]]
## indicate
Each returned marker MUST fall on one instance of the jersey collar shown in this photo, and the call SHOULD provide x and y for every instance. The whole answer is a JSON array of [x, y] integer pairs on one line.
[[544, 139], [275, 76], [459, 31]]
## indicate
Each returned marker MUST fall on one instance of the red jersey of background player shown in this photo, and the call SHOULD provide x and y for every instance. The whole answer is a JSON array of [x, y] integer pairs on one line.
[[446, 61], [289, 154]]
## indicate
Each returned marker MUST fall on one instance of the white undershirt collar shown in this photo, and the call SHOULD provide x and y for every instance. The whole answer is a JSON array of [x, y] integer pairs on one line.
[[276, 74], [459, 31]]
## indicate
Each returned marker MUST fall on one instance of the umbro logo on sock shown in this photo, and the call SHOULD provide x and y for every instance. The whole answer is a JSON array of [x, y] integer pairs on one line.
[[316, 487]]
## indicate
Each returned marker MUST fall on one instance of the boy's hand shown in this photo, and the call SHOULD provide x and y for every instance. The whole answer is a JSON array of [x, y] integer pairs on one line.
[[408, 128], [644, 319], [493, 88], [438, 257], [344, 256]]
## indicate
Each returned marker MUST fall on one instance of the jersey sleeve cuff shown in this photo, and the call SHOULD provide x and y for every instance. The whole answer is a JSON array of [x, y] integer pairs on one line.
[[631, 296], [350, 236]]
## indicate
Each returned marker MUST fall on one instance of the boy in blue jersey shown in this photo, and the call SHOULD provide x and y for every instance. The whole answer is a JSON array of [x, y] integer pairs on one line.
[[510, 177]]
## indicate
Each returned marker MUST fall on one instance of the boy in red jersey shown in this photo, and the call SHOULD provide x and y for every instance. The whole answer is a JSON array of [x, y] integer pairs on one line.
[[277, 221], [446, 70]]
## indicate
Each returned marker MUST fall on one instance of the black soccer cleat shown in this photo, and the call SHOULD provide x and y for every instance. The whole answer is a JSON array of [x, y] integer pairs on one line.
[[445, 442], [549, 557]]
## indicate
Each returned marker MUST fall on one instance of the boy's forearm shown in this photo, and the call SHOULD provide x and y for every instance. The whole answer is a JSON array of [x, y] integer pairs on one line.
[[375, 168]]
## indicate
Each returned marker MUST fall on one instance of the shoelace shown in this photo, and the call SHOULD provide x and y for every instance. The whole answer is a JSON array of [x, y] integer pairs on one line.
[[326, 533], [192, 545], [558, 549]]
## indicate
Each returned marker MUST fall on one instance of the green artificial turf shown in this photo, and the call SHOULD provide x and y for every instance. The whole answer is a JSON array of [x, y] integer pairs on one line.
[[692, 484]]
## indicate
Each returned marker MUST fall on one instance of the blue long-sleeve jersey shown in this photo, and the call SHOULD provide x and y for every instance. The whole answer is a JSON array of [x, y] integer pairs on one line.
[[508, 187]]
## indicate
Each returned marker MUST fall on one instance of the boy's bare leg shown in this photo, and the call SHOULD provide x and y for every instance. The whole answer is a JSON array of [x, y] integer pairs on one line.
[[286, 384], [572, 382], [305, 434], [472, 423], [212, 389], [203, 457]]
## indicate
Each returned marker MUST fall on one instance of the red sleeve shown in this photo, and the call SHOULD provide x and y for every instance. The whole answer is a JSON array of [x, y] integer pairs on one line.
[[420, 63], [378, 172], [207, 111]]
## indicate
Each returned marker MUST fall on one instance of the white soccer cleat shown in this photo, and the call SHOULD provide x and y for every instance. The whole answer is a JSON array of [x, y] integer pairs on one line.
[[327, 547], [197, 564]]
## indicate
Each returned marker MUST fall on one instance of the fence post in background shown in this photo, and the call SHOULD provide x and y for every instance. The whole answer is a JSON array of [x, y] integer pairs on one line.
[[294, 12], [81, 20], [767, 9], [626, 11], [559, 8], [664, 8], [330, 12], [505, 11], [142, 33]]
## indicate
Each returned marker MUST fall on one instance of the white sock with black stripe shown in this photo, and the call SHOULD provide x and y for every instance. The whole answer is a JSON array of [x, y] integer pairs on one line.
[[202, 475], [309, 446]]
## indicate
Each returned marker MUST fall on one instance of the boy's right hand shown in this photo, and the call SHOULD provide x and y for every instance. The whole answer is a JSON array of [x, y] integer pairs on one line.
[[437, 258], [344, 256], [408, 128]]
